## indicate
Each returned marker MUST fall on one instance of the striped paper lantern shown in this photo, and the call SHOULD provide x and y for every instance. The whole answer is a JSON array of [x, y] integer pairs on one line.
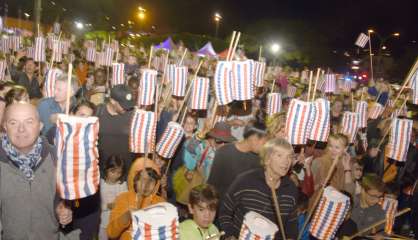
[[39, 49], [170, 73], [179, 82], [147, 87], [329, 214], [16, 42], [142, 131], [330, 83], [91, 54], [118, 74], [390, 206], [30, 52], [321, 125], [274, 103], [414, 87], [350, 125], [108, 57], [5, 45], [291, 91], [256, 227], [223, 83], [78, 172], [200, 94], [49, 85], [50, 38], [376, 110], [157, 222], [57, 50], [361, 109], [259, 71], [3, 67], [170, 140], [399, 139], [298, 121], [242, 78]]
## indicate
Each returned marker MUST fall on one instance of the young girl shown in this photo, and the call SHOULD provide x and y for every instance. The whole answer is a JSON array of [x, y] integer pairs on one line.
[[110, 187]]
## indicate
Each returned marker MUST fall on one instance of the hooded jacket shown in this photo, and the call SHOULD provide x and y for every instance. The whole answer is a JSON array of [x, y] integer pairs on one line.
[[128, 200], [27, 208]]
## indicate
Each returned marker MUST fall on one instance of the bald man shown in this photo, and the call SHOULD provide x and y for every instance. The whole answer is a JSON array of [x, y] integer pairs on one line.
[[29, 206]]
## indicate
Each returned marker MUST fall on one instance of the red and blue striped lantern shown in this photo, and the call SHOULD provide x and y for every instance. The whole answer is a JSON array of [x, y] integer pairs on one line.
[[257, 227], [180, 82], [329, 214], [66, 44], [259, 71], [399, 139], [57, 50], [91, 54], [170, 140], [350, 125], [157, 222], [30, 52], [376, 111], [414, 86], [49, 86], [108, 57], [243, 80], [5, 44], [291, 91], [56, 27], [330, 83], [3, 67], [361, 109], [118, 74], [223, 83], [147, 87], [200, 94], [50, 38], [321, 125], [39, 49], [16, 42], [274, 103], [78, 172], [390, 206], [170, 73], [142, 131], [298, 121]]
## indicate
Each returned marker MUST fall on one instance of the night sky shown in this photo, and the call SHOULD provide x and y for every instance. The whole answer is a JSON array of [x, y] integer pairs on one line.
[[339, 21]]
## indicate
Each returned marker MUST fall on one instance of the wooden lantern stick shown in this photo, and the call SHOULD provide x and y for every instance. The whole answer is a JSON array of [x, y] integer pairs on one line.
[[408, 79], [150, 56], [69, 89], [310, 85], [278, 214], [230, 46], [235, 46], [182, 57], [316, 83]]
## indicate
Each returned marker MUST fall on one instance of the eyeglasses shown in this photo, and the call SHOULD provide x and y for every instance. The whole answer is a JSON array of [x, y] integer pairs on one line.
[[374, 196], [219, 141]]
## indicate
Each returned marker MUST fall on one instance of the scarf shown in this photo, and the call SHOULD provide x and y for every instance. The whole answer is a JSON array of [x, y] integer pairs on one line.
[[25, 162]]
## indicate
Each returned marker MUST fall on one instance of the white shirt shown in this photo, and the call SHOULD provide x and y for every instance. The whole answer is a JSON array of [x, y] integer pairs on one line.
[[108, 193]]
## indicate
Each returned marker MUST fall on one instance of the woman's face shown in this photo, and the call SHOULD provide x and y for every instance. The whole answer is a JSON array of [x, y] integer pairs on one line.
[[189, 125], [336, 147], [145, 185], [357, 171], [84, 111], [279, 162]]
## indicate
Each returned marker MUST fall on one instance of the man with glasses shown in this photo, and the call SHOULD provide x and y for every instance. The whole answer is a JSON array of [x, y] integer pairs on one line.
[[366, 209]]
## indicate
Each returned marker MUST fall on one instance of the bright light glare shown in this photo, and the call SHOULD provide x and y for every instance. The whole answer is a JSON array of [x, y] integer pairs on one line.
[[79, 25], [275, 48]]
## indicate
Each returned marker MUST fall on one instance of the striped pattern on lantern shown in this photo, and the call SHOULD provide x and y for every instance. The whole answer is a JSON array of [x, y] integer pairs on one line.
[[321, 125], [57, 50], [361, 109], [78, 172], [329, 214], [376, 111], [30, 52], [200, 94], [170, 140], [5, 45], [350, 125], [170, 73], [298, 121], [274, 103], [157, 222], [414, 86], [256, 227], [49, 85], [399, 139], [242, 78], [108, 57], [3, 67], [142, 131], [91, 54], [39, 49], [147, 87], [259, 70], [330, 83], [390, 206], [118, 74], [180, 82], [16, 42], [223, 83], [291, 91]]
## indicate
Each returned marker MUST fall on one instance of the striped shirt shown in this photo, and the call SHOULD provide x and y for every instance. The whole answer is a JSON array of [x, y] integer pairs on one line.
[[250, 192]]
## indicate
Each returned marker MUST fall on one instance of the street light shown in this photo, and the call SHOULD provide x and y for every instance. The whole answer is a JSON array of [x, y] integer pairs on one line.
[[79, 25], [141, 13], [275, 48], [217, 17], [396, 34]]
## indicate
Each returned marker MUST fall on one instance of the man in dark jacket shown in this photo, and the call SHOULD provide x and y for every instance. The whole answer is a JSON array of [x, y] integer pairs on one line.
[[29, 206], [28, 79]]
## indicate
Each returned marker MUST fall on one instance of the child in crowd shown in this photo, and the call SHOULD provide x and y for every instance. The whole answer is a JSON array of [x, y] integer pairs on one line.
[[110, 187], [203, 202]]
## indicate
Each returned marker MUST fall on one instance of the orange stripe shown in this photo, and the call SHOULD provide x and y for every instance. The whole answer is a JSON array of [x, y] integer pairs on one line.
[[302, 118], [147, 234], [318, 215], [95, 163], [174, 230], [329, 230], [76, 158], [288, 120], [317, 128]]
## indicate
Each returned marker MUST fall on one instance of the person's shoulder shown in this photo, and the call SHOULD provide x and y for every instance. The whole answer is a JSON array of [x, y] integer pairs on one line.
[[187, 223], [45, 102], [251, 176]]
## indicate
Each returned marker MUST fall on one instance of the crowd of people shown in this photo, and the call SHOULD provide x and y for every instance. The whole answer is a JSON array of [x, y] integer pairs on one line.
[[221, 170]]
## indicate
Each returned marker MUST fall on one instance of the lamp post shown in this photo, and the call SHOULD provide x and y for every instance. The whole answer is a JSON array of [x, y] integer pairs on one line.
[[217, 17]]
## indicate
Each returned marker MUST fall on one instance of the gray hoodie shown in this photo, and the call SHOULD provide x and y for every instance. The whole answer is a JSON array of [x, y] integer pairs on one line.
[[27, 209]]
